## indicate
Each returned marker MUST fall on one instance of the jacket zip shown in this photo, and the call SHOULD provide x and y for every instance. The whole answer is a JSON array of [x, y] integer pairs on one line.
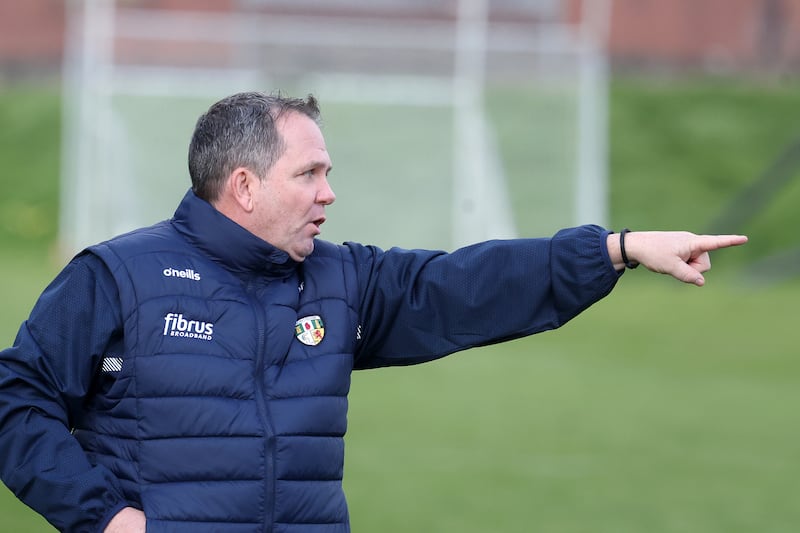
[[261, 402]]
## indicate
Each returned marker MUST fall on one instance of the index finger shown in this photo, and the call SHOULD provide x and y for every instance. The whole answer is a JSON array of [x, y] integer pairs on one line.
[[715, 242]]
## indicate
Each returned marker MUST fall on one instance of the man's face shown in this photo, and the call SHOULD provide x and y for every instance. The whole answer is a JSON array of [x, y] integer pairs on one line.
[[290, 201]]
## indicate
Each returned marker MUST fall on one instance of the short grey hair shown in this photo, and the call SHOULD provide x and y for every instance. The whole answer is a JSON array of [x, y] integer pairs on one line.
[[240, 131]]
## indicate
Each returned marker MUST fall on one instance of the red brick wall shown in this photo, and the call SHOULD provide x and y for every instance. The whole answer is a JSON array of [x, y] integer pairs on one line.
[[31, 33], [734, 34], [189, 5], [698, 34], [716, 33]]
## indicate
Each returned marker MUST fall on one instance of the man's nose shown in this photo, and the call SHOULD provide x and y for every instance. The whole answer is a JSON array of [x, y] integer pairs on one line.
[[325, 195]]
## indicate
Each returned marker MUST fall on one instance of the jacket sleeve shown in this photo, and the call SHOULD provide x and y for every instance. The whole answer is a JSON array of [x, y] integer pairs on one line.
[[417, 305], [44, 378]]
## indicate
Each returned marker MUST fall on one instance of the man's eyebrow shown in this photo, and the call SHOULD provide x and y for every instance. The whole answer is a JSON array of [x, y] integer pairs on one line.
[[319, 164]]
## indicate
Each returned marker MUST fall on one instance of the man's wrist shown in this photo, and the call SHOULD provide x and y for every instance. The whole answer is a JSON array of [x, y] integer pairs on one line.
[[619, 251], [127, 520], [614, 252], [623, 252]]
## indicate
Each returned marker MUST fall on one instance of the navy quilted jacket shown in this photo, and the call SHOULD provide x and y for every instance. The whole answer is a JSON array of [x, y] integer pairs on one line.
[[194, 371]]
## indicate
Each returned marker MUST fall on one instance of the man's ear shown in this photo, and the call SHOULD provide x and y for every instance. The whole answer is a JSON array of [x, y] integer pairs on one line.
[[241, 185]]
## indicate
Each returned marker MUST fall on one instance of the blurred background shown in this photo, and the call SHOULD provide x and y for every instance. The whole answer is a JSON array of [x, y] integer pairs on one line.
[[663, 408]]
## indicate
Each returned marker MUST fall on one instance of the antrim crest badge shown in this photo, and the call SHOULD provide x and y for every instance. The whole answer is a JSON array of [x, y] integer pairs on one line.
[[309, 330]]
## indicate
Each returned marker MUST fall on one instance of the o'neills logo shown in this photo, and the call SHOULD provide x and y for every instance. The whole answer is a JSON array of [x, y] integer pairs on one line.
[[186, 273], [177, 326], [309, 330]]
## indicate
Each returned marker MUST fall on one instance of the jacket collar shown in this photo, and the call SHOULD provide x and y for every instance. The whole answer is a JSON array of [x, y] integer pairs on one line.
[[226, 242]]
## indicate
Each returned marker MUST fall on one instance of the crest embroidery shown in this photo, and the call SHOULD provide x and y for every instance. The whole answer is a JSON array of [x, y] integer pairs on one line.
[[309, 330]]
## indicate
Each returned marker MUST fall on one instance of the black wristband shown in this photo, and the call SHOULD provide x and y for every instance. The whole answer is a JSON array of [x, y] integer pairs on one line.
[[628, 263]]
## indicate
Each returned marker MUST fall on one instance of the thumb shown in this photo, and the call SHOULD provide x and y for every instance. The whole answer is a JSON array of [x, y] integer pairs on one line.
[[684, 272]]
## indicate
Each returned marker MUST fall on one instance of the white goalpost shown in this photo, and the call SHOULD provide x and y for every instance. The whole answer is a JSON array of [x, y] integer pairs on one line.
[[423, 155]]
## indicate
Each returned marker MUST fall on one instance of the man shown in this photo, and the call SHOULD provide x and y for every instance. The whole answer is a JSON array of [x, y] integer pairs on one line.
[[193, 375]]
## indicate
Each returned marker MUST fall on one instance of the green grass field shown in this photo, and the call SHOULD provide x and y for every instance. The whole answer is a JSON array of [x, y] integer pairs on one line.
[[664, 408]]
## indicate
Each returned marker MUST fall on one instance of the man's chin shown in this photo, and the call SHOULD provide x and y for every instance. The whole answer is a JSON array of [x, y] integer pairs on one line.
[[300, 254]]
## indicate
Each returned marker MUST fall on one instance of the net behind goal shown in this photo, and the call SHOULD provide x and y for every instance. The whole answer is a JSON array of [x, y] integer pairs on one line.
[[447, 123]]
